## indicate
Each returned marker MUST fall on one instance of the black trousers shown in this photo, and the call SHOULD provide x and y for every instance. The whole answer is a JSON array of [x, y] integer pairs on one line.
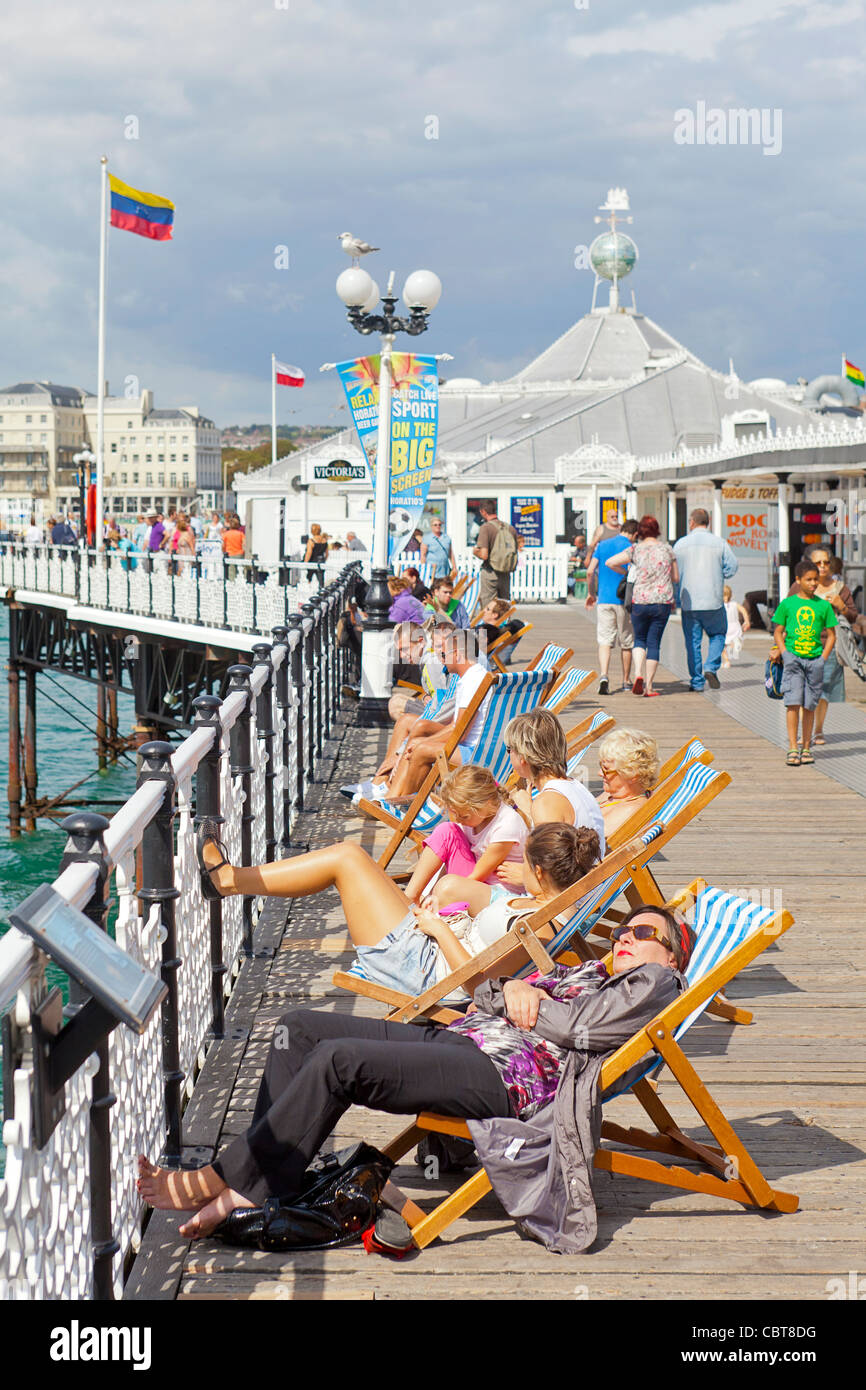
[[321, 1063]]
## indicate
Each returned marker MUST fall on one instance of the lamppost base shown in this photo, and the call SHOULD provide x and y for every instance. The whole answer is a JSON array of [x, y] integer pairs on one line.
[[372, 713]]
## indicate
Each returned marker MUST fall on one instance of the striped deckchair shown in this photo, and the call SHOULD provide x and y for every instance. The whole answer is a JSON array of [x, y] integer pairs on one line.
[[587, 732], [567, 686], [624, 868], [512, 694], [470, 594], [730, 932], [550, 658], [692, 752], [448, 692]]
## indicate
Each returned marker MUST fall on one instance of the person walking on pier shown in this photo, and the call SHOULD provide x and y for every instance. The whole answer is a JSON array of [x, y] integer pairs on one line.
[[496, 548], [613, 622], [438, 549], [705, 561], [804, 635]]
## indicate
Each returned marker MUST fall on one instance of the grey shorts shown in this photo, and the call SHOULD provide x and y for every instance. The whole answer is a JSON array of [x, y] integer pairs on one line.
[[802, 679], [613, 623]]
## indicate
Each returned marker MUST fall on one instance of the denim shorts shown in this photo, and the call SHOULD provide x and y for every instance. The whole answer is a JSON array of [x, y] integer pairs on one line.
[[802, 679], [405, 959]]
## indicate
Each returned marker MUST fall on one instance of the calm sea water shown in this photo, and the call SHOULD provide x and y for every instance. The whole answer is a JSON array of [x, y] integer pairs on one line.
[[65, 751]]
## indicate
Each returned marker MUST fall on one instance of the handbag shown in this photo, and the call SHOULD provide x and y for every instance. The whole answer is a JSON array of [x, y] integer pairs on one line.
[[338, 1201]]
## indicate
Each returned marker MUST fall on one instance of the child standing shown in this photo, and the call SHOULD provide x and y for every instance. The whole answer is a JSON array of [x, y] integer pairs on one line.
[[800, 620], [738, 624], [484, 830]]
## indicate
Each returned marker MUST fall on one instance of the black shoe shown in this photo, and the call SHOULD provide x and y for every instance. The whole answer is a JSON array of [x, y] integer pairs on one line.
[[713, 681], [604, 686], [208, 833]]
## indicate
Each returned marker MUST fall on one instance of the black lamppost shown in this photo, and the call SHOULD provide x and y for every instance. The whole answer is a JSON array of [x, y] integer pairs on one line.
[[360, 294]]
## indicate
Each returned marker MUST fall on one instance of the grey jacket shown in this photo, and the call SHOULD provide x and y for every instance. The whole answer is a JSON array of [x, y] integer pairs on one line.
[[541, 1169]]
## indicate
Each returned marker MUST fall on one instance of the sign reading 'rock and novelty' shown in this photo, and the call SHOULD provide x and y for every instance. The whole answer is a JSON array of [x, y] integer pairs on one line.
[[414, 421]]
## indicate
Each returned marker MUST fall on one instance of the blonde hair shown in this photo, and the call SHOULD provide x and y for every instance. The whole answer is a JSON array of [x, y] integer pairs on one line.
[[727, 592], [633, 754], [538, 737], [470, 789], [396, 584]]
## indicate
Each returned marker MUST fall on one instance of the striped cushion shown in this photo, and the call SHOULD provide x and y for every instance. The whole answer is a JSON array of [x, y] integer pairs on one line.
[[568, 682]]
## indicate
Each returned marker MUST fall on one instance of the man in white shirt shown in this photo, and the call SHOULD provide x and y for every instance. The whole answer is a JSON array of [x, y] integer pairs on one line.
[[422, 748], [33, 534]]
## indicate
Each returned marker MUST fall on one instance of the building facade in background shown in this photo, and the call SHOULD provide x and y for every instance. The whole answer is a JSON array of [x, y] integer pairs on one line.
[[154, 458]]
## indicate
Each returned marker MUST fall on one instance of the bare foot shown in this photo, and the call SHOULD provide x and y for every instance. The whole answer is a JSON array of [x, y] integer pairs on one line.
[[208, 1217], [168, 1189]]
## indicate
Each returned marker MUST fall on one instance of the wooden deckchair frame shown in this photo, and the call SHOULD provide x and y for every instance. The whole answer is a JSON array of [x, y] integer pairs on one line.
[[729, 1169], [509, 952], [503, 643]]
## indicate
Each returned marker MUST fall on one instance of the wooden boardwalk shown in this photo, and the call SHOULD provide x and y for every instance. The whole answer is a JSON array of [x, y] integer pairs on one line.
[[792, 1083]]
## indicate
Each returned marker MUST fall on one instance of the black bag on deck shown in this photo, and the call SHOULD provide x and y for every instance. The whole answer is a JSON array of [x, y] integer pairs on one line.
[[338, 1201]]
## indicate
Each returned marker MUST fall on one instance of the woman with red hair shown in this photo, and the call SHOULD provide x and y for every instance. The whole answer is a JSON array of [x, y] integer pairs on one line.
[[655, 574]]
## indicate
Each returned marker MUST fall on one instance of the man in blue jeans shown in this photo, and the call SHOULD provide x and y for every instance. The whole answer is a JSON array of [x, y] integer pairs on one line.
[[705, 561]]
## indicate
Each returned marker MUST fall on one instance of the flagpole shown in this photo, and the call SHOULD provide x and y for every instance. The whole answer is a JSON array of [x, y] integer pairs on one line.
[[273, 408], [100, 369]]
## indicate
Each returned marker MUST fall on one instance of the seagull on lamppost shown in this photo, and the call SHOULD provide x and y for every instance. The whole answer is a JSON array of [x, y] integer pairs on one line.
[[355, 247]]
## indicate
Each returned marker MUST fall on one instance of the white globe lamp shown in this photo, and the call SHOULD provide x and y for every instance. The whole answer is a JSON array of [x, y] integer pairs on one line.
[[369, 305], [422, 290], [354, 287]]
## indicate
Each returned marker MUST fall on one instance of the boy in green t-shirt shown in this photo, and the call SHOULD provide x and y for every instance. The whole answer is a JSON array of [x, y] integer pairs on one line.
[[800, 620]]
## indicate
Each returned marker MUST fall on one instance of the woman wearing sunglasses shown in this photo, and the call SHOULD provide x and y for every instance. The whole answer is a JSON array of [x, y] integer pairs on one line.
[[522, 1067]]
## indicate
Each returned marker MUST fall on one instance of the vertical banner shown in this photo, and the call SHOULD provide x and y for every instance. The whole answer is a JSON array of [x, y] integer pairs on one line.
[[527, 518], [414, 421]]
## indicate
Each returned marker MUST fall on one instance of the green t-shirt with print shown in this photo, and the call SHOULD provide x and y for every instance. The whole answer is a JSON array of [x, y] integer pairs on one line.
[[804, 619]]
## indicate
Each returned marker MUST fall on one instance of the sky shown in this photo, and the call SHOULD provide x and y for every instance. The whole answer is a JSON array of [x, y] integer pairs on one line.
[[281, 123]]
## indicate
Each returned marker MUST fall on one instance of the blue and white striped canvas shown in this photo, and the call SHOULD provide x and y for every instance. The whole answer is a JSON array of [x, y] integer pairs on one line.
[[568, 683], [469, 597], [721, 924], [597, 902], [575, 761], [448, 692], [549, 657]]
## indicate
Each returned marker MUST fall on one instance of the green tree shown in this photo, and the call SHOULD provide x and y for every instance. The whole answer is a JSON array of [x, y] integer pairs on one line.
[[247, 460]]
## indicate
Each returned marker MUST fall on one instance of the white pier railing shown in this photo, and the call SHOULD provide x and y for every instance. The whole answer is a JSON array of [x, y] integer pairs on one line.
[[238, 595], [67, 1227]]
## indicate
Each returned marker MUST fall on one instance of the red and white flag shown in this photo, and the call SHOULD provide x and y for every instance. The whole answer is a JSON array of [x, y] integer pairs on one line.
[[288, 376]]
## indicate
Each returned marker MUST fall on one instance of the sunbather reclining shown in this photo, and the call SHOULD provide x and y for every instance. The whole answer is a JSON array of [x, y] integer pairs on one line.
[[428, 738], [522, 1068], [400, 945]]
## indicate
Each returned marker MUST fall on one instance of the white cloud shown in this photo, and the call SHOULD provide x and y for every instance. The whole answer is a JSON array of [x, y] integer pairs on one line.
[[699, 32]]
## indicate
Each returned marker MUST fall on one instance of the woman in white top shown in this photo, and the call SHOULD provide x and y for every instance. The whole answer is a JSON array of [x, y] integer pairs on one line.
[[405, 950]]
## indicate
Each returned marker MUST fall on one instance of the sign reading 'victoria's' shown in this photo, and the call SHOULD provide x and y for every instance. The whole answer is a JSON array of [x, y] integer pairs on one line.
[[339, 471]]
